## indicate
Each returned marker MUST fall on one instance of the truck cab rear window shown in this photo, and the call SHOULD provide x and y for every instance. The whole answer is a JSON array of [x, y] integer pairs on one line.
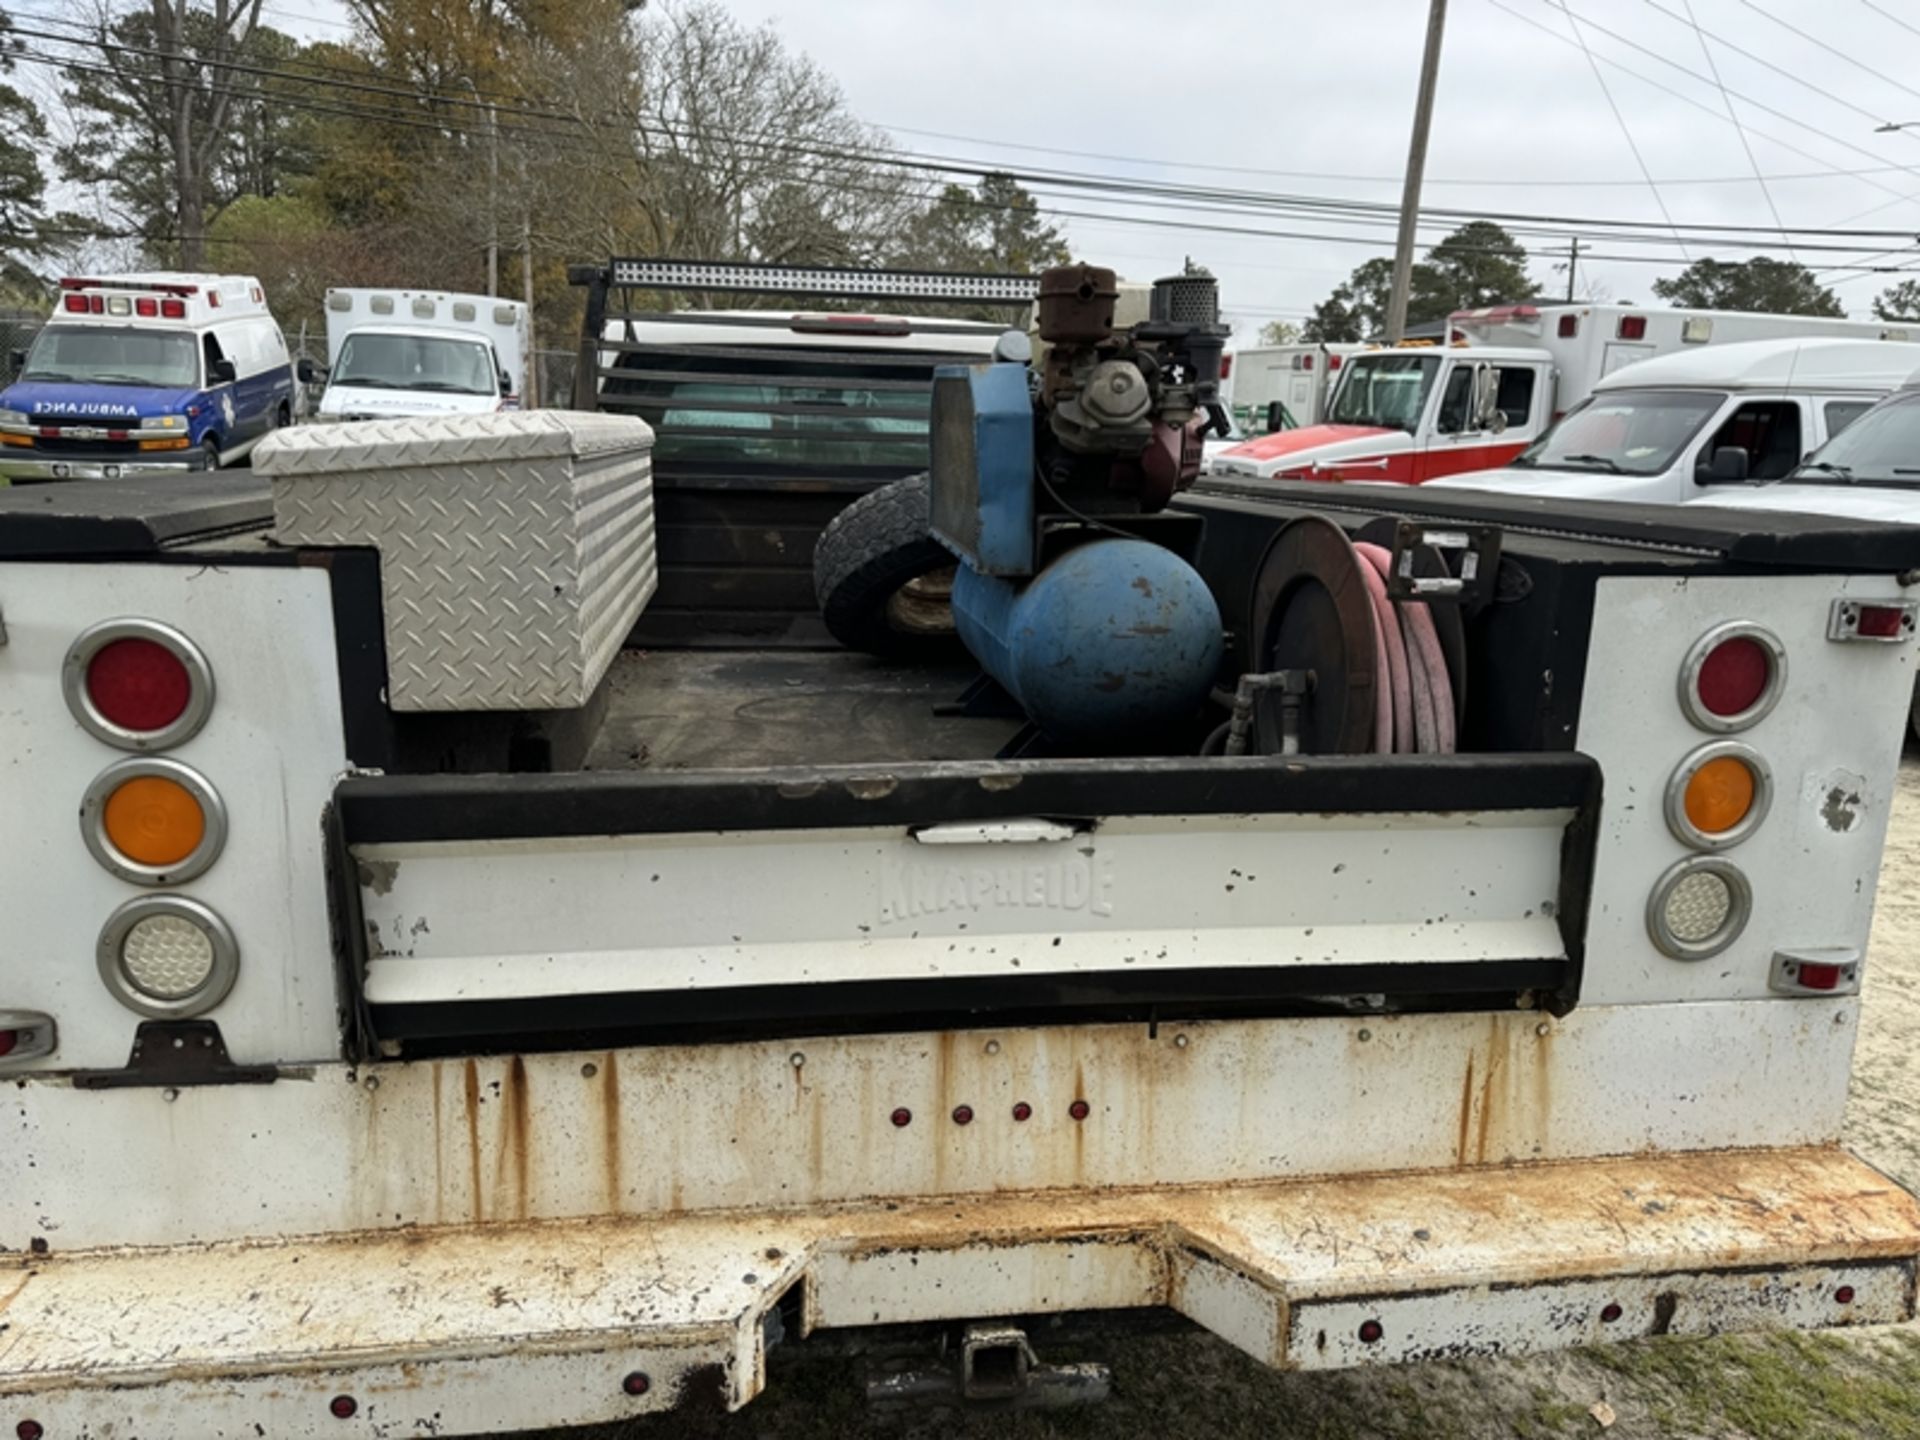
[[806, 423]]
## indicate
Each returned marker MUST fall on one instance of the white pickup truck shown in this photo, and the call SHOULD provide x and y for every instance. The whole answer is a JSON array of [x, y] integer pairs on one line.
[[362, 1082]]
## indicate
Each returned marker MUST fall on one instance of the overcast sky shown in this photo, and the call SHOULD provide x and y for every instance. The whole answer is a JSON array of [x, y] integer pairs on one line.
[[1317, 99]]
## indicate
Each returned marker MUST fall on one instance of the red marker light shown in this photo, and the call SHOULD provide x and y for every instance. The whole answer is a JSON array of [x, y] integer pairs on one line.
[[173, 309], [963, 1114], [1844, 1295], [1880, 622], [1633, 327], [1022, 1111], [9, 1039], [1610, 1313], [29, 1430], [1569, 326], [343, 1407], [146, 306], [902, 1118], [1371, 1332], [138, 684], [1079, 1109], [1820, 977], [636, 1383]]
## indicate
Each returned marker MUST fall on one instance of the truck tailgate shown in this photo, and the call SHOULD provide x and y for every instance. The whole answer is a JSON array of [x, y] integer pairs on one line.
[[493, 905]]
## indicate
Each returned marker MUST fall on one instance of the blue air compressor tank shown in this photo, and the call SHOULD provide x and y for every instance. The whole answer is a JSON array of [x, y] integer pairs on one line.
[[1114, 637]]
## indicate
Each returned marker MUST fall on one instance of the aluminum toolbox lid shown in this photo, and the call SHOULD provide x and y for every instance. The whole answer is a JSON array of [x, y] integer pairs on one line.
[[440, 440]]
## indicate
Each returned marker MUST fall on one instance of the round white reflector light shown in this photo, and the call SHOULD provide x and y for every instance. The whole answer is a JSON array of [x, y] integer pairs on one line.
[[1699, 907], [168, 957]]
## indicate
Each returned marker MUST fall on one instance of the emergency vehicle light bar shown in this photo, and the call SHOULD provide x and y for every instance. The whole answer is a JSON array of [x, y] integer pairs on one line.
[[841, 281], [74, 282]]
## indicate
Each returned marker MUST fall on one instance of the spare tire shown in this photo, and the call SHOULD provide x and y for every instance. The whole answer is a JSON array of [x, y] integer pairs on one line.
[[884, 583]]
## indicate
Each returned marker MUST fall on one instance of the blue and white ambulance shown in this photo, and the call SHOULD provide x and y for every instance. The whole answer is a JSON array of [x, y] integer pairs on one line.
[[144, 374]]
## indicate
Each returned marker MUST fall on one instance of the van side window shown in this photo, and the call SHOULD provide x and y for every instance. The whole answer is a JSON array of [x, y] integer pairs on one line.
[[1768, 430], [1515, 397], [1842, 413], [211, 347], [1452, 418]]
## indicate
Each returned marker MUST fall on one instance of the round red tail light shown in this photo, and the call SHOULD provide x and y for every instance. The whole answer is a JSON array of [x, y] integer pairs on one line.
[[1732, 677], [138, 684]]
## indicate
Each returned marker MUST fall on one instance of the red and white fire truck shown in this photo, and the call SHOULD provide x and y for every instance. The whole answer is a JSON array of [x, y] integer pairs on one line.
[[1413, 413]]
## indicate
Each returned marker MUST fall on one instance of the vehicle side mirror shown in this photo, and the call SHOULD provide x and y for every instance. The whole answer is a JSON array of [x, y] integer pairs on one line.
[[1487, 414], [1276, 417], [1728, 466], [506, 383], [17, 360], [308, 373], [221, 372]]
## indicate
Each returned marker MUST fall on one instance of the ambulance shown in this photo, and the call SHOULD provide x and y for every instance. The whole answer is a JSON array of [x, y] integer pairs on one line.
[[154, 373], [1414, 413], [397, 354]]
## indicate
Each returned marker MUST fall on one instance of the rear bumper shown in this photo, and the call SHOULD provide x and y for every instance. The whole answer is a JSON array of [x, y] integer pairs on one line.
[[494, 1328]]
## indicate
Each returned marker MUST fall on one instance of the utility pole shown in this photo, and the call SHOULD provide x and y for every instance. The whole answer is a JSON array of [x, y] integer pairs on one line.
[[1573, 264], [531, 399], [1416, 171], [493, 201]]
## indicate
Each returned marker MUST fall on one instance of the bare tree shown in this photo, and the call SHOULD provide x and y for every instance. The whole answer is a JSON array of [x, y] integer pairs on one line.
[[194, 46]]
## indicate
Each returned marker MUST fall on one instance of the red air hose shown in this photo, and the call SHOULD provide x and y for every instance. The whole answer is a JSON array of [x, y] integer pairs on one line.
[[1421, 692]]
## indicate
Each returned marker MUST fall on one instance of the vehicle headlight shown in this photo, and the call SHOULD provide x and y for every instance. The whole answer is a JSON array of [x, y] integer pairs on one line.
[[164, 422], [13, 417]]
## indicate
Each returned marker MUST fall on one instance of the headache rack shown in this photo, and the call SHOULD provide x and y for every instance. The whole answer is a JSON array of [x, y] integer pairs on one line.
[[775, 404]]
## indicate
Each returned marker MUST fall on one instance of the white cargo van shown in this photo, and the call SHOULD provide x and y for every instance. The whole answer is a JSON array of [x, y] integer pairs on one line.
[[396, 353], [1662, 430]]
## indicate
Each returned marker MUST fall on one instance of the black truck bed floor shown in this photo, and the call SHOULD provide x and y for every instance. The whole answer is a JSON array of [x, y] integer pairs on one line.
[[731, 709]]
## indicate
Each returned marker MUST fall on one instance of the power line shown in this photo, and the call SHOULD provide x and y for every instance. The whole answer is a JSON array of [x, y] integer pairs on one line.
[[1758, 105], [1307, 206], [1625, 133], [1706, 53], [1817, 42], [1764, 63], [1685, 99], [1903, 24]]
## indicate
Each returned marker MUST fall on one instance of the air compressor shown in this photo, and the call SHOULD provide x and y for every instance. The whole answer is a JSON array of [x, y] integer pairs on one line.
[[1076, 589]]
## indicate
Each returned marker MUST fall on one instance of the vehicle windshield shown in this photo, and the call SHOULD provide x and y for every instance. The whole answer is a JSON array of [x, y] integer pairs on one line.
[[1882, 447], [115, 355], [1385, 390], [1625, 432], [416, 362]]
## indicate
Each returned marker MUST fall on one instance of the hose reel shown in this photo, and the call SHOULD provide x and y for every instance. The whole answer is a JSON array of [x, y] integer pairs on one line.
[[1337, 665]]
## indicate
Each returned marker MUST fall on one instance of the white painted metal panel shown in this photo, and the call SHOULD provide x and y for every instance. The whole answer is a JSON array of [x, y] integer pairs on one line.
[[497, 919], [1833, 745], [272, 748], [516, 550], [709, 1127], [1528, 1320]]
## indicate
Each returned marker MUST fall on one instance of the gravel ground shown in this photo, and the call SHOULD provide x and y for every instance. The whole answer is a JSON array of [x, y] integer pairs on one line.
[[1187, 1384]]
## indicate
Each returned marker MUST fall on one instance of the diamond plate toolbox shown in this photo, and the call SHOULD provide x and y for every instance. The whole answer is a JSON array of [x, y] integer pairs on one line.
[[516, 549]]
